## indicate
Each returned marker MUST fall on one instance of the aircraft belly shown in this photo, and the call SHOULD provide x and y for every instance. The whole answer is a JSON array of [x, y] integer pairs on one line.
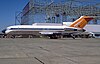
[[24, 32]]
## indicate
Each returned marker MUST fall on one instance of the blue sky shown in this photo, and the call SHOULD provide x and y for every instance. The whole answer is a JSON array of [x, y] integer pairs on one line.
[[8, 9]]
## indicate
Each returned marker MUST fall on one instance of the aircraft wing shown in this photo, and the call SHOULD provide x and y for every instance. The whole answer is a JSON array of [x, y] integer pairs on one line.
[[49, 33]]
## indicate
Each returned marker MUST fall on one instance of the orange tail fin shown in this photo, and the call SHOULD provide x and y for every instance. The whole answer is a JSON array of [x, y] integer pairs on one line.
[[81, 22]]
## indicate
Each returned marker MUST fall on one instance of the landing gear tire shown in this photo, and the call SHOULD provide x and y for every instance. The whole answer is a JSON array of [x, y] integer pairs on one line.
[[53, 37]]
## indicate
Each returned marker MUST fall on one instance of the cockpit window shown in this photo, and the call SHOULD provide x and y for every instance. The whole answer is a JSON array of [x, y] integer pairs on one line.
[[3, 31]]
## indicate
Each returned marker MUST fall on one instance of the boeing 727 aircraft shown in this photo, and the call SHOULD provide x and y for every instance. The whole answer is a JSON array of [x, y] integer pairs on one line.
[[50, 31]]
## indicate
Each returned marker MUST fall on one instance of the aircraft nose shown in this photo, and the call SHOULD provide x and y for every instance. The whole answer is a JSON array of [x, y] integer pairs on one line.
[[3, 31]]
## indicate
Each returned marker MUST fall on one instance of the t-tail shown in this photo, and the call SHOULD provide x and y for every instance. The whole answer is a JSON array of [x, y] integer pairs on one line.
[[81, 22]]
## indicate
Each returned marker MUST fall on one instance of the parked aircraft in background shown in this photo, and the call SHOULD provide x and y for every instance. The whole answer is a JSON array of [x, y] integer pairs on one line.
[[52, 31]]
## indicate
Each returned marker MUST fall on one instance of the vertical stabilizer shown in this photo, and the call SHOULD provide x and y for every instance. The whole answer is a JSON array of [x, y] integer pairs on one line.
[[81, 22]]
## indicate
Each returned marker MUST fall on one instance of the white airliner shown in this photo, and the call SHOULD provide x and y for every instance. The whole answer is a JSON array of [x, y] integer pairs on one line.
[[53, 31]]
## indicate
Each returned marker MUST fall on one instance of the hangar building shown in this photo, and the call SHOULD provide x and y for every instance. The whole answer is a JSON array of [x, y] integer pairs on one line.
[[52, 11]]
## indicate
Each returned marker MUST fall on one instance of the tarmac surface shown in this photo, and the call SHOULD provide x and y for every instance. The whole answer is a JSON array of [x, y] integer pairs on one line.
[[49, 51]]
